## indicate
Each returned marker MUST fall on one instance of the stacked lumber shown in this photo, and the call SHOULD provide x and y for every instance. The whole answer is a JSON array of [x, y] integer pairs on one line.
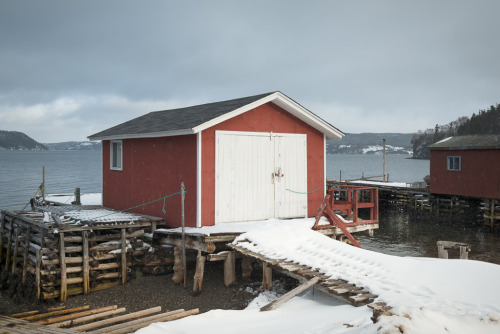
[[55, 256], [109, 319]]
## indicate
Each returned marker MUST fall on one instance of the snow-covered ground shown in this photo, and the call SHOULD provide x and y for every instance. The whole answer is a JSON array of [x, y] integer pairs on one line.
[[427, 295], [85, 199]]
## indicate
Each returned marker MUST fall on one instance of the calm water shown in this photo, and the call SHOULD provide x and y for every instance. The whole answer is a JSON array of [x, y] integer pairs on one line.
[[399, 232], [21, 174]]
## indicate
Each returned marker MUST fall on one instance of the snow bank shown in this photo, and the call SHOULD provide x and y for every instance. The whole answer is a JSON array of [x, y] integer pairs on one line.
[[427, 295]]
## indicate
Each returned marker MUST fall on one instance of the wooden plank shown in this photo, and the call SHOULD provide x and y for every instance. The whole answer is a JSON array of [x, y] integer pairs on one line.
[[76, 315], [101, 323], [53, 313], [289, 295], [88, 318], [147, 321], [140, 325]]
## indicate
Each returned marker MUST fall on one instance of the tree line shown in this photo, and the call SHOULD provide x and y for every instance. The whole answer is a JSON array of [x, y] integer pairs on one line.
[[485, 122]]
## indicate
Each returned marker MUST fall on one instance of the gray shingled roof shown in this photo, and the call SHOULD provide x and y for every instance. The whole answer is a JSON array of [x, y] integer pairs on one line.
[[176, 119], [468, 143]]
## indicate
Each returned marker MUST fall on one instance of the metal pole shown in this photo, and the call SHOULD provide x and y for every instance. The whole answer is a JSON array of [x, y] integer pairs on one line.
[[383, 161], [184, 268]]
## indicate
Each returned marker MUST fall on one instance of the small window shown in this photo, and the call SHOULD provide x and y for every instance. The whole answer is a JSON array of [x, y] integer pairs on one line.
[[116, 155], [454, 164]]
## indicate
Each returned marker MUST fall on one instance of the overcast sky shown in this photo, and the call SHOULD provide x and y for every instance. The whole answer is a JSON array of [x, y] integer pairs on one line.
[[69, 69]]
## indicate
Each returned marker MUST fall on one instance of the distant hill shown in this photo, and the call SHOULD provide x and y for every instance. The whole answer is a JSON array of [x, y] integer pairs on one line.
[[486, 122], [371, 143], [75, 146], [13, 140]]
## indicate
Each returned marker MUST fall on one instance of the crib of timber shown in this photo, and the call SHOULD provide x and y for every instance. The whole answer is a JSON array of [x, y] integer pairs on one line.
[[55, 256]]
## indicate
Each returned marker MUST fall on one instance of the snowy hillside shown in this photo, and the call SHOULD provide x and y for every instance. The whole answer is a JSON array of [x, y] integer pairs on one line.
[[75, 146]]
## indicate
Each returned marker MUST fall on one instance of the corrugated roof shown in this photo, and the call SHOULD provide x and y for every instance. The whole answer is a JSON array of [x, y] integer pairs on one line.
[[193, 119], [468, 143]]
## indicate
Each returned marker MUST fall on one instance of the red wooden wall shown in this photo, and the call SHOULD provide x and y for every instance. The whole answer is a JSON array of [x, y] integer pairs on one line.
[[479, 175], [153, 168], [266, 118]]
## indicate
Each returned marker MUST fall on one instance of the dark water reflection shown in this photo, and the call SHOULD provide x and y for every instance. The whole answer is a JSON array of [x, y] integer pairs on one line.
[[404, 234]]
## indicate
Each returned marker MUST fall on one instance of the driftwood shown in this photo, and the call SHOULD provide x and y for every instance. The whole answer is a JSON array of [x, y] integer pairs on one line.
[[289, 295]]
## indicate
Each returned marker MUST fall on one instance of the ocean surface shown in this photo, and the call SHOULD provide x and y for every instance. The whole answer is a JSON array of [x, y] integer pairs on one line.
[[21, 172], [399, 234]]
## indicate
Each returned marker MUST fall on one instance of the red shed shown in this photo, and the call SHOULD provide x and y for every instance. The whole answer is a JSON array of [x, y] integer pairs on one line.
[[251, 158], [466, 166]]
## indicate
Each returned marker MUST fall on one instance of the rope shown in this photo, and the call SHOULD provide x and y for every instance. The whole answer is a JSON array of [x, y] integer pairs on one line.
[[137, 206], [41, 188], [299, 192]]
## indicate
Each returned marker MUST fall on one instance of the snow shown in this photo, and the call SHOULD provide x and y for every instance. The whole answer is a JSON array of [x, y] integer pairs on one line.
[[427, 295], [85, 199], [443, 140], [381, 183], [101, 215]]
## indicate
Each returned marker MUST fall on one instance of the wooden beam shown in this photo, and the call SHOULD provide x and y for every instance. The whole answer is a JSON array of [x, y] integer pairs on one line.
[[289, 295]]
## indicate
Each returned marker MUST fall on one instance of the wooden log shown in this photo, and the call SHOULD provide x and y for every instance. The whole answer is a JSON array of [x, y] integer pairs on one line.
[[26, 253], [76, 315], [62, 257], [463, 253], [289, 295], [178, 276], [124, 256], [86, 319], [146, 320], [229, 270], [101, 323], [198, 276], [16, 249], [267, 277], [86, 269], [140, 325], [24, 314], [53, 313]]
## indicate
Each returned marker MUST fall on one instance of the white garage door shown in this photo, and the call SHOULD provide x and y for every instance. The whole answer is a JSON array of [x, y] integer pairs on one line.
[[258, 176]]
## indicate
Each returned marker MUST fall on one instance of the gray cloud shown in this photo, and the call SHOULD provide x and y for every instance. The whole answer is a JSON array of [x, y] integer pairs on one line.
[[385, 66]]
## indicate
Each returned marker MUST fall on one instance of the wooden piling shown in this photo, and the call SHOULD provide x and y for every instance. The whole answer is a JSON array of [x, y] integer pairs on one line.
[[198, 276], [229, 269], [267, 277]]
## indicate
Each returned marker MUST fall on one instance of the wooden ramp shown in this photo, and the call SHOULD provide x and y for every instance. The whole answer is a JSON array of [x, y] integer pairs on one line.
[[338, 288]]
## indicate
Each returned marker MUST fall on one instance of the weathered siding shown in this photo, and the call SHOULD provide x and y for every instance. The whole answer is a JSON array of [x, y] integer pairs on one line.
[[153, 168], [265, 118], [479, 175]]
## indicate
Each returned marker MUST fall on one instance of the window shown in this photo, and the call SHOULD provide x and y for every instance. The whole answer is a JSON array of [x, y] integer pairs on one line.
[[454, 164], [116, 155]]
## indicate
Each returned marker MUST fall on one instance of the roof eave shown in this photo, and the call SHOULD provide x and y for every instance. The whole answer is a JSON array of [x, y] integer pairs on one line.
[[284, 102], [143, 135]]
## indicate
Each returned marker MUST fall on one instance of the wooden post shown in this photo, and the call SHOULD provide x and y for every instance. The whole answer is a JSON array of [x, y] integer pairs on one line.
[[26, 253], [267, 276], [383, 162], [184, 266], [442, 253], [229, 270], [77, 197], [62, 266], [246, 268], [198, 276], [463, 253], [43, 183], [124, 256], [86, 266], [178, 270]]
